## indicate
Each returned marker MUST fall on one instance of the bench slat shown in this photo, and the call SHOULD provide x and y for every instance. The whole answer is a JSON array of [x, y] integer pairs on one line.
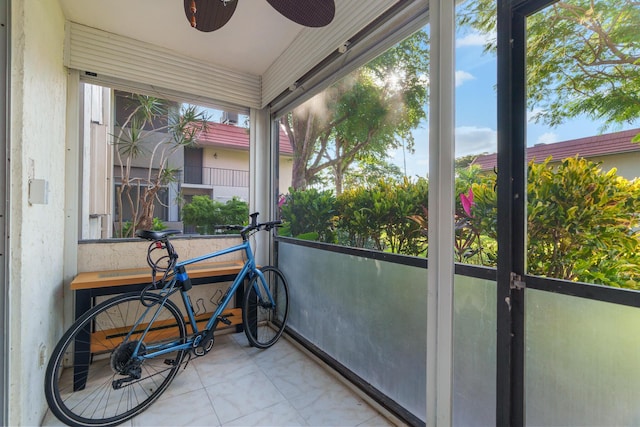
[[109, 339], [134, 276]]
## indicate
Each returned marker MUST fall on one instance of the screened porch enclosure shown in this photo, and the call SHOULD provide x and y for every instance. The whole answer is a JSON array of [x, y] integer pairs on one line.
[[430, 337], [433, 340], [526, 340]]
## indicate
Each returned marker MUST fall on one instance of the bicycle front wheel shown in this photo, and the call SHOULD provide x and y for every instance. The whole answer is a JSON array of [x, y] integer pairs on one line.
[[263, 319], [97, 376]]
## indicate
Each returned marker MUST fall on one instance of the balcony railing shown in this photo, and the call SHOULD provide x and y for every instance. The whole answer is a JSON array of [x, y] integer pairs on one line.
[[365, 313], [216, 177]]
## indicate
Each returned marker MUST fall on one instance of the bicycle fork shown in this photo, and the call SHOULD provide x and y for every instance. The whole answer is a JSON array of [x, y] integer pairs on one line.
[[267, 302]]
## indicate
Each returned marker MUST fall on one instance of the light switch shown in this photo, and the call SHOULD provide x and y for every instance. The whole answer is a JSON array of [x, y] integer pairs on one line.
[[38, 191]]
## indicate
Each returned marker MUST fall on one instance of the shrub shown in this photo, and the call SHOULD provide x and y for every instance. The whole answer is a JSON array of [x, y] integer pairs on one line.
[[355, 223], [309, 214], [157, 225], [476, 231], [205, 214], [583, 223], [382, 215]]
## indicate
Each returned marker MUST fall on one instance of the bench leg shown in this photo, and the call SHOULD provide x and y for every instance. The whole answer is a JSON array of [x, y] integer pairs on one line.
[[239, 298], [82, 345]]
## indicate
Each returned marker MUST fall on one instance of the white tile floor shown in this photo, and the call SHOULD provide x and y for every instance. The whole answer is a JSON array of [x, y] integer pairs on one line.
[[237, 385]]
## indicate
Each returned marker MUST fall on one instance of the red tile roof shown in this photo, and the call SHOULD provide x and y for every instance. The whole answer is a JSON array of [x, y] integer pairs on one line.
[[229, 136], [592, 146]]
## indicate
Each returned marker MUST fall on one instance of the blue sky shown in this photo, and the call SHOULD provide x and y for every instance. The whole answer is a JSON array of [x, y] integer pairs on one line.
[[476, 115], [476, 104]]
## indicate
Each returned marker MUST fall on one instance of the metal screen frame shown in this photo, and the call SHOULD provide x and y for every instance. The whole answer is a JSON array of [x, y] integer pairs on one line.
[[4, 193]]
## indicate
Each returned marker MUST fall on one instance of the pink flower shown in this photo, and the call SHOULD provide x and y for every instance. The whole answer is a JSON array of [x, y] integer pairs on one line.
[[467, 202], [281, 200]]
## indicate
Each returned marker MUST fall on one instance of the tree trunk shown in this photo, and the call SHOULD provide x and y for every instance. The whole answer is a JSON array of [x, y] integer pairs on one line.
[[339, 178], [298, 179], [145, 221]]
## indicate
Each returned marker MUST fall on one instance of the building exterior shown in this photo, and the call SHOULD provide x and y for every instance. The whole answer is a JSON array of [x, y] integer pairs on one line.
[[610, 150], [219, 164], [573, 340]]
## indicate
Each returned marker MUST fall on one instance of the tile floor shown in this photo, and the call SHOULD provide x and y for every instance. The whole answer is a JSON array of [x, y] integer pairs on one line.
[[237, 385]]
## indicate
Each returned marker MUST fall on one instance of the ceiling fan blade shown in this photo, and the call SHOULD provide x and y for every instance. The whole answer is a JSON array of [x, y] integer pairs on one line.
[[210, 14], [310, 13]]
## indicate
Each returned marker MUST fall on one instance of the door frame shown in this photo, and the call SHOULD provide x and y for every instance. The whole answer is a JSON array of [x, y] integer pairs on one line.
[[512, 215], [5, 37]]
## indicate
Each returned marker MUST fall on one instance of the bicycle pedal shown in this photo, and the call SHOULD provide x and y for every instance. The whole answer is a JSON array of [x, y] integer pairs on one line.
[[170, 362], [224, 320]]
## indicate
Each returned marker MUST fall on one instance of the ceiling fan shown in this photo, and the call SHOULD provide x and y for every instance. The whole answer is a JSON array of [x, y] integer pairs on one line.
[[210, 15]]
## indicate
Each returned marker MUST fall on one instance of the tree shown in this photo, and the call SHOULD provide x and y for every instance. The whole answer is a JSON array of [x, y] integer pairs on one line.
[[367, 173], [149, 134], [464, 161], [361, 116], [583, 58]]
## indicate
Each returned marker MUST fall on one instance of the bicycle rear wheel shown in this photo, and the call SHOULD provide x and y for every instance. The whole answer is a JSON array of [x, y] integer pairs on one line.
[[92, 378], [263, 321]]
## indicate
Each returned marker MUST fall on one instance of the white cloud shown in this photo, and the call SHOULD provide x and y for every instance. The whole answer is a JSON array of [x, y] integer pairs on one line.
[[463, 76], [475, 39], [475, 140], [393, 153], [547, 138]]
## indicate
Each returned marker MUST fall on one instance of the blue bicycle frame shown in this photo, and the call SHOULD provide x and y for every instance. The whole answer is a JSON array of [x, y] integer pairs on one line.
[[249, 270]]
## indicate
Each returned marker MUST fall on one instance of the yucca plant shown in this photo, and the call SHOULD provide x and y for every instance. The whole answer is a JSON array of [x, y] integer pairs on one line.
[[152, 131]]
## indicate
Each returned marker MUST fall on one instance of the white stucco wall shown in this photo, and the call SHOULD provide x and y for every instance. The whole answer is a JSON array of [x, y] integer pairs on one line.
[[286, 174], [215, 157], [118, 254], [239, 159], [36, 232], [225, 158], [627, 164]]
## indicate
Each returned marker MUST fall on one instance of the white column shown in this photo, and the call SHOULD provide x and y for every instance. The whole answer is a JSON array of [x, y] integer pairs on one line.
[[441, 210], [71, 202], [5, 194], [260, 177]]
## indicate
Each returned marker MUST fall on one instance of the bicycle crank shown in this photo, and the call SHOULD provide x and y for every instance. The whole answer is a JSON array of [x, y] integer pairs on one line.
[[202, 343]]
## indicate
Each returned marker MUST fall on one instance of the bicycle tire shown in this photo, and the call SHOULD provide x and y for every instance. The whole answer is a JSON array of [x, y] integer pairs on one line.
[[263, 325], [85, 394]]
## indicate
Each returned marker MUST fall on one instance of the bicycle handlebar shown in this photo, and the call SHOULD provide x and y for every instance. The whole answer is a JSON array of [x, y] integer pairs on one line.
[[163, 236], [160, 241], [253, 225]]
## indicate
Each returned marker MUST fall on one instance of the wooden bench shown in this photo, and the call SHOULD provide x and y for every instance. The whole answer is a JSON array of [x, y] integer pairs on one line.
[[89, 285], [108, 339], [94, 280]]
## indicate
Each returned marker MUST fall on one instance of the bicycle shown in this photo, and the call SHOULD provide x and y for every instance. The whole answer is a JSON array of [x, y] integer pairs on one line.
[[134, 344]]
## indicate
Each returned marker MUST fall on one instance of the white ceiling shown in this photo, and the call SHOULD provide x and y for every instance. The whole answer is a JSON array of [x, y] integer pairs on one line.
[[252, 60], [255, 36]]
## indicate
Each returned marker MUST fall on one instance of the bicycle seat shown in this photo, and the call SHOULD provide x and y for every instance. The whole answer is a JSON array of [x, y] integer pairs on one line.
[[156, 235]]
